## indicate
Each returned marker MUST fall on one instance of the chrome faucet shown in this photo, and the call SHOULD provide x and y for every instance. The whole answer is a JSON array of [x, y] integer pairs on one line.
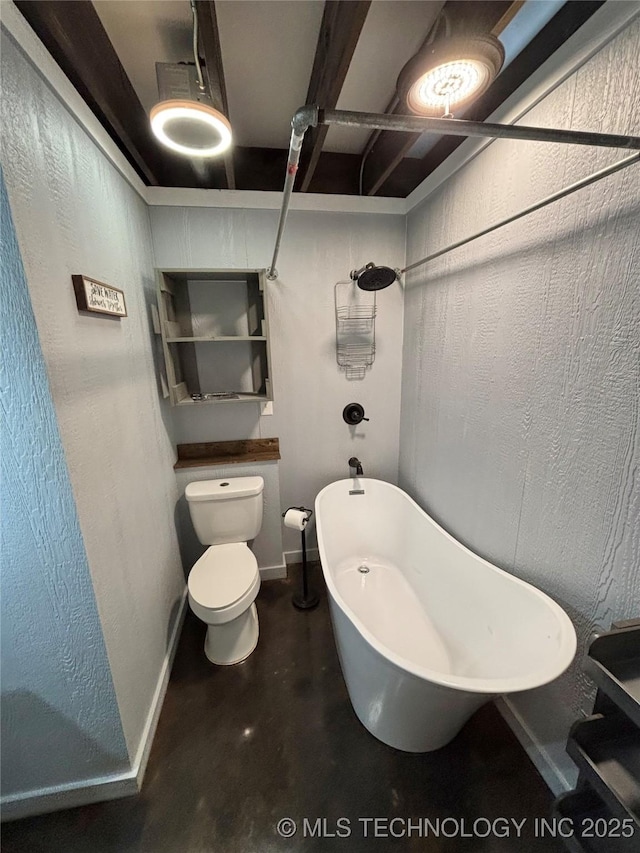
[[355, 463]]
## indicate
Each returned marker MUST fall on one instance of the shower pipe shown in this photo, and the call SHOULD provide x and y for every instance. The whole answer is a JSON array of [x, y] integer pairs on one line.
[[310, 116]]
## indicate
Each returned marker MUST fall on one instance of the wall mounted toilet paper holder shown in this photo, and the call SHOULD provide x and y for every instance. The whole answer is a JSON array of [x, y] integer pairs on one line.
[[304, 600]]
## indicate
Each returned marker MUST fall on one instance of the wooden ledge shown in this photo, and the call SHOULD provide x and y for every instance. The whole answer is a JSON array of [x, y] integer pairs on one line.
[[227, 452]]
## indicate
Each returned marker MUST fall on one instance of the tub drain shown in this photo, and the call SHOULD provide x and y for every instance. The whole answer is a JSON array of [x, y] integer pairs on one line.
[[364, 570]]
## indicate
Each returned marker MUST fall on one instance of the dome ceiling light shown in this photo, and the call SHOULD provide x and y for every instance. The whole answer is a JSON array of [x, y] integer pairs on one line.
[[450, 74], [191, 126]]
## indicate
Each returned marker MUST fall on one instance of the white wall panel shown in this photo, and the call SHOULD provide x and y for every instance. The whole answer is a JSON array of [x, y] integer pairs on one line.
[[60, 719], [521, 369], [310, 390]]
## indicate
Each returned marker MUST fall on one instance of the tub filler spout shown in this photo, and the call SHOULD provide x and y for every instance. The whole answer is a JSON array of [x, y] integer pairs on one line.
[[354, 462]]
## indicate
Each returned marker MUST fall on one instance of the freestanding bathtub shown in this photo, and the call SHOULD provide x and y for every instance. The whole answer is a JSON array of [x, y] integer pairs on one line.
[[426, 630]]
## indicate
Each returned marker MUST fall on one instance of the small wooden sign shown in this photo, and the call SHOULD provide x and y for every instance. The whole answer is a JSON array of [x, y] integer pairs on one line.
[[92, 295]]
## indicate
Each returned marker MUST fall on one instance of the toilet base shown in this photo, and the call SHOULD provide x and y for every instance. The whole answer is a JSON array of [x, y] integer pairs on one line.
[[233, 641]]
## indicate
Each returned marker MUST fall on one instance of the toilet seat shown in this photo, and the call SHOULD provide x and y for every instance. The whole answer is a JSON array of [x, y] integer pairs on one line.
[[223, 582]]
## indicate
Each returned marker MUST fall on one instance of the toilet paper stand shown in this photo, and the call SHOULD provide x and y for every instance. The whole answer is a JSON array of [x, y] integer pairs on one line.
[[305, 600]]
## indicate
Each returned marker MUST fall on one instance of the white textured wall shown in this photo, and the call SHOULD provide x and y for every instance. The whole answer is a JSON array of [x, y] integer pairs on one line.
[[310, 390], [60, 719], [75, 214], [521, 369]]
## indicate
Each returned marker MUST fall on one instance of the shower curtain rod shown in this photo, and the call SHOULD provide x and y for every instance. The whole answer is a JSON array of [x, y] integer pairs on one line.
[[310, 116], [461, 127], [578, 185]]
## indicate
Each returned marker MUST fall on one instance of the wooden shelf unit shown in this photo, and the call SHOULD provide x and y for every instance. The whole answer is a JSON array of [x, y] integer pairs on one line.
[[215, 335]]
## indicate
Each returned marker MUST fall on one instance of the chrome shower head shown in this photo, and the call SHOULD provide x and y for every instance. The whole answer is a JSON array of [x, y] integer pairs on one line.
[[371, 277]]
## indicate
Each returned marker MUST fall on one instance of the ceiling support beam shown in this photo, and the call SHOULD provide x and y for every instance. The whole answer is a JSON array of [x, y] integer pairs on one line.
[[386, 155], [508, 16], [214, 71], [340, 30], [74, 35]]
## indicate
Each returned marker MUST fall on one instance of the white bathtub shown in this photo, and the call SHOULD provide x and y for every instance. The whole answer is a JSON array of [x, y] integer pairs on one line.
[[432, 631]]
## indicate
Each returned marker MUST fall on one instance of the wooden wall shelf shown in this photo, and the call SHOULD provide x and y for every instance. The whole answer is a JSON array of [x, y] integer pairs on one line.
[[227, 452]]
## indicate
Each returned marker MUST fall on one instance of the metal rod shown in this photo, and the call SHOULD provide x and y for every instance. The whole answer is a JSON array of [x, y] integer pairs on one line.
[[196, 55], [303, 119], [578, 185], [310, 116], [306, 600], [292, 167], [305, 585], [460, 127]]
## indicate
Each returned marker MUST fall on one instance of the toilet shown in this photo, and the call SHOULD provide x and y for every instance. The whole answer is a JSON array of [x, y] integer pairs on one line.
[[224, 582]]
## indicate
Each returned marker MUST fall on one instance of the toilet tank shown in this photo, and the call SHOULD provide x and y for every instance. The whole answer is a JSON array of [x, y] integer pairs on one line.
[[227, 510]]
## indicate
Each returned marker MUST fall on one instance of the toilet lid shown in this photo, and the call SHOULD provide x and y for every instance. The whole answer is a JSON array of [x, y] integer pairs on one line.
[[222, 575]]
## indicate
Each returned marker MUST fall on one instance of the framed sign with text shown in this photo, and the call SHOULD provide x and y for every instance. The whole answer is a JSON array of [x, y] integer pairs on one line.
[[97, 297]]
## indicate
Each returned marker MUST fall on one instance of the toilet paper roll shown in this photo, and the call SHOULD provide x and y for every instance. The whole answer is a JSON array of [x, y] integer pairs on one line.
[[295, 519]]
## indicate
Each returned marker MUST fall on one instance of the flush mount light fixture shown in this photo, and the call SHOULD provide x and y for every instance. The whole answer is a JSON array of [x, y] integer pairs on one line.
[[450, 74], [191, 127]]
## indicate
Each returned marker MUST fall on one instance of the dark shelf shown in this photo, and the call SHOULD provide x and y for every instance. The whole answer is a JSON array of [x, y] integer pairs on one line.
[[607, 752], [613, 663], [605, 807], [594, 828]]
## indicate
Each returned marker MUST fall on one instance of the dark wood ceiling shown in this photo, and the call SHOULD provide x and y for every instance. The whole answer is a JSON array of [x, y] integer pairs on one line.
[[75, 36]]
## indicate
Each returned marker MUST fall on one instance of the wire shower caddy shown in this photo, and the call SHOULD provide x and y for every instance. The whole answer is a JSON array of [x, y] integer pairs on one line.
[[355, 328]]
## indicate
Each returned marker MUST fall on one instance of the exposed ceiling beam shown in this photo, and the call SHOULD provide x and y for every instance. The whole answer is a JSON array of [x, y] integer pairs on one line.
[[508, 16], [73, 33], [214, 72], [340, 30], [412, 171], [263, 168], [393, 105]]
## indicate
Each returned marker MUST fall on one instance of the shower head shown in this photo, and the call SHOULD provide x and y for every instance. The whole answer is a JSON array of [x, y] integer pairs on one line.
[[371, 277]]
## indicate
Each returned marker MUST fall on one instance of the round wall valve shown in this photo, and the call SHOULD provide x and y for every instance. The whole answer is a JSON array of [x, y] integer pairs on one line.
[[353, 413]]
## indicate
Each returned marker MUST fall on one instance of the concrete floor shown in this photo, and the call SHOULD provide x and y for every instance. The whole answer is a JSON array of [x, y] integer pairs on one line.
[[239, 748]]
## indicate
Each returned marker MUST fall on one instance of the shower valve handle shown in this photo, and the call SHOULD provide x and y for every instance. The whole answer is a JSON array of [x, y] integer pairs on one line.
[[353, 413]]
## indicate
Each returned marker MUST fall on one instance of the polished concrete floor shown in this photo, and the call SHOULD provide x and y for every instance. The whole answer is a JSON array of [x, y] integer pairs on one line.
[[240, 748]]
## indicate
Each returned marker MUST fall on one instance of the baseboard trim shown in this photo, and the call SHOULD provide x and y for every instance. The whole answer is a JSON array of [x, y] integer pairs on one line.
[[273, 573], [113, 786], [553, 773], [44, 800], [144, 747], [296, 556]]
